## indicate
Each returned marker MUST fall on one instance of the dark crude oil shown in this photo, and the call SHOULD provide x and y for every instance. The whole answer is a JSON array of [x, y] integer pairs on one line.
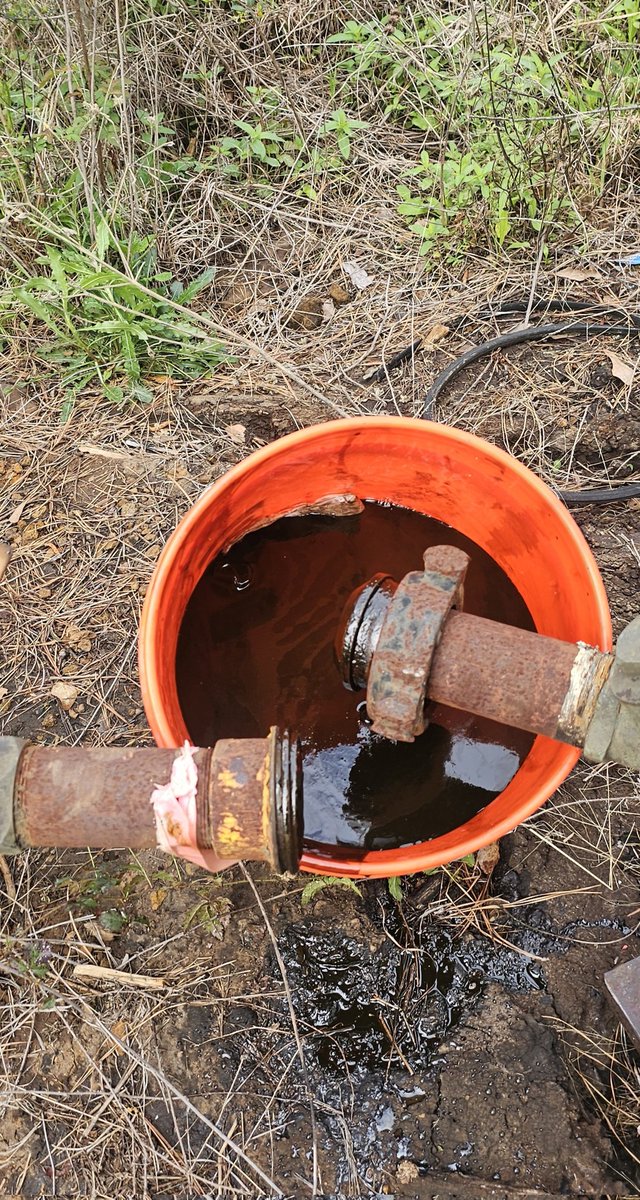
[[256, 649]]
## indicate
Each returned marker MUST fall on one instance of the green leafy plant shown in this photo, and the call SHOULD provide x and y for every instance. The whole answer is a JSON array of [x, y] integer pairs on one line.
[[272, 148], [395, 887], [344, 129], [113, 920], [503, 124], [110, 324], [212, 914], [326, 881]]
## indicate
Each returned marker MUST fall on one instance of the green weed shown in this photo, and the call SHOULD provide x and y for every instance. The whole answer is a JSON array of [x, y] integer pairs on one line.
[[395, 887], [326, 881], [503, 123], [110, 324], [212, 915]]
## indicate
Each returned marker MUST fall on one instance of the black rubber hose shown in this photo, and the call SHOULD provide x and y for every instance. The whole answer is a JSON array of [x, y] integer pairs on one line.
[[628, 326], [624, 491], [516, 337]]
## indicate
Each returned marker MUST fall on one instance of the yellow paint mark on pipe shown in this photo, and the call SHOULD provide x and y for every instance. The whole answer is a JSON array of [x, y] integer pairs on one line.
[[229, 836], [227, 779]]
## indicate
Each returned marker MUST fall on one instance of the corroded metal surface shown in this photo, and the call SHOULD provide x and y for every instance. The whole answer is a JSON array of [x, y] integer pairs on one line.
[[406, 645], [401, 662], [247, 797], [72, 796], [238, 799], [506, 674]]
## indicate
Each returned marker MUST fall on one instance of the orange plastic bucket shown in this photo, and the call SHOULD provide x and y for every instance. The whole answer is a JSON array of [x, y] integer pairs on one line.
[[439, 471]]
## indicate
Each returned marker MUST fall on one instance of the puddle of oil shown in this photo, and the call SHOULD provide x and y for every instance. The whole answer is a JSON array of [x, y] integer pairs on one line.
[[365, 1009], [256, 649]]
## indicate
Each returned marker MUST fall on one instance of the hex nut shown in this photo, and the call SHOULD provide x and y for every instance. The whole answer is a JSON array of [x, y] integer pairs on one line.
[[411, 630]]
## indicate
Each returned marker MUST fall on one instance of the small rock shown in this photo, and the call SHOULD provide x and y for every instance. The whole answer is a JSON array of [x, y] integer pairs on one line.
[[65, 693], [435, 334], [308, 313], [76, 638], [339, 294], [407, 1171], [239, 295]]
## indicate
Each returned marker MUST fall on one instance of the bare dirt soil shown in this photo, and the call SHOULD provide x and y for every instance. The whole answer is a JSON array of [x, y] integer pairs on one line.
[[455, 1044]]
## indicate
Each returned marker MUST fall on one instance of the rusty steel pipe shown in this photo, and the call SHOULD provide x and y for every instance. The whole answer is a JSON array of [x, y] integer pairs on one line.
[[407, 646], [517, 677], [247, 797]]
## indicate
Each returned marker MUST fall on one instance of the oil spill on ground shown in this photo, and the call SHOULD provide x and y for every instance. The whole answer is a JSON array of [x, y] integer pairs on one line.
[[369, 1008], [377, 1020], [256, 649], [385, 1014]]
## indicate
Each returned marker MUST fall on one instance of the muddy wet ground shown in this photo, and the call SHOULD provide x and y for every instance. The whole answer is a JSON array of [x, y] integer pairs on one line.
[[451, 1043]]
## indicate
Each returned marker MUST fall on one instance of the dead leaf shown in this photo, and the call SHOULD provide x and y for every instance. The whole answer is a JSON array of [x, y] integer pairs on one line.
[[65, 693], [338, 294], [17, 512], [168, 379], [328, 310], [620, 369], [435, 334], [157, 898], [119, 1030], [31, 532], [5, 557], [488, 858], [358, 276], [577, 274], [3, 692], [237, 433]]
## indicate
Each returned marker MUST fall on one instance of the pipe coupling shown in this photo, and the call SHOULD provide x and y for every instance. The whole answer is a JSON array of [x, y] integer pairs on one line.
[[10, 750]]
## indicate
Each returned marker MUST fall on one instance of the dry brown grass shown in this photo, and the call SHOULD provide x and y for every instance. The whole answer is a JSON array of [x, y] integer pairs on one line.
[[102, 493]]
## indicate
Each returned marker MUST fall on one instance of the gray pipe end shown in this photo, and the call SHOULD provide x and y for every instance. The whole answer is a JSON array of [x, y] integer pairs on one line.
[[10, 750]]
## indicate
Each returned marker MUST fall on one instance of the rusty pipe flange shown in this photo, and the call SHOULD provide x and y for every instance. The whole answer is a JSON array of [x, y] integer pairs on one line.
[[285, 788], [359, 629], [397, 686]]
